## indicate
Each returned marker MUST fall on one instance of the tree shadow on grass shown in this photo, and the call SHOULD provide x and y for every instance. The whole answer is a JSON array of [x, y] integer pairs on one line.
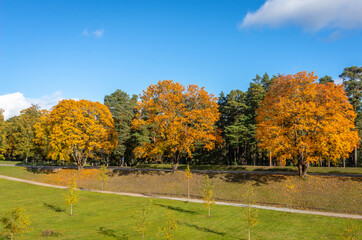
[[111, 233], [54, 207], [178, 209], [203, 229], [42, 170], [259, 179], [126, 172]]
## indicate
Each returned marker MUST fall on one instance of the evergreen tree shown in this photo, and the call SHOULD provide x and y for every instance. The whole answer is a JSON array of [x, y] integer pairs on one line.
[[122, 109], [326, 79], [352, 80]]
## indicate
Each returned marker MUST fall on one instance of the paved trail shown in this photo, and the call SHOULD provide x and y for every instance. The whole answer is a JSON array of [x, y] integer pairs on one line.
[[328, 214], [200, 171]]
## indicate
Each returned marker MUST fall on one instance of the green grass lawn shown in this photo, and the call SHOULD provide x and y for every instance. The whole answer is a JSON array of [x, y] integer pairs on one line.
[[105, 216], [332, 194]]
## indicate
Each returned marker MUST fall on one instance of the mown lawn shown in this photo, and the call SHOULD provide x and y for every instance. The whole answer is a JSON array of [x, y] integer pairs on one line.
[[106, 216], [334, 194]]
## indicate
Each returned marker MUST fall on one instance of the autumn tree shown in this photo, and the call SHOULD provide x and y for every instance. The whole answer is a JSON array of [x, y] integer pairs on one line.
[[303, 121], [102, 175], [122, 108], [188, 177], [77, 130], [71, 197], [177, 118], [16, 222], [207, 194]]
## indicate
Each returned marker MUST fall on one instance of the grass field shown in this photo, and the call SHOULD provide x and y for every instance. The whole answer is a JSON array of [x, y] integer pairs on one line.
[[105, 216], [334, 194]]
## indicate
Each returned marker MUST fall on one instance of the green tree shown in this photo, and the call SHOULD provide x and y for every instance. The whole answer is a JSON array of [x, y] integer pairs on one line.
[[352, 80], [326, 79], [10, 136], [207, 194], [15, 222], [25, 144], [122, 108]]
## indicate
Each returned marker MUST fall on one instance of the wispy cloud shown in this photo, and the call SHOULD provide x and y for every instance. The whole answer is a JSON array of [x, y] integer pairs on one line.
[[13, 103], [312, 15], [98, 33]]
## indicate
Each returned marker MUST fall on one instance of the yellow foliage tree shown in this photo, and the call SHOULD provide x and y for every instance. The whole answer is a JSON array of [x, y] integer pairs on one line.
[[15, 223], [77, 130], [71, 197], [188, 177], [304, 121], [177, 119]]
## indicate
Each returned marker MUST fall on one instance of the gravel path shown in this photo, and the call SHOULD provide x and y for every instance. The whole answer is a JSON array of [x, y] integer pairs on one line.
[[328, 214]]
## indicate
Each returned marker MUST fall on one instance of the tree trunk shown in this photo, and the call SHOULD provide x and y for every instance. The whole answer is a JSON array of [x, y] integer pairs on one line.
[[355, 157], [71, 209], [175, 162], [209, 209], [302, 168], [270, 159], [329, 163], [26, 158], [344, 162], [188, 189]]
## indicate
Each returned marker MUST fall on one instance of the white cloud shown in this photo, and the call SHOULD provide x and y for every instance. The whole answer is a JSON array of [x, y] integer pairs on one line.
[[13, 103], [98, 33], [312, 15]]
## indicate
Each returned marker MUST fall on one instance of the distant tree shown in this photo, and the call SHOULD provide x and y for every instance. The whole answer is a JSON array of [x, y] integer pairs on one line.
[[25, 144], [9, 136], [326, 79], [188, 177], [352, 80], [168, 230], [123, 111], [71, 197], [15, 222], [77, 131], [102, 176], [177, 119], [304, 121], [207, 194]]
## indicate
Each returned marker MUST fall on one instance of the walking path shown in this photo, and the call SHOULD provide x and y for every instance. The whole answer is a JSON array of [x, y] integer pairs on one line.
[[200, 171], [328, 214]]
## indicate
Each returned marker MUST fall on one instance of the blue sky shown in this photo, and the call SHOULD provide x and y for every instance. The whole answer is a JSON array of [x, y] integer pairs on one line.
[[86, 49]]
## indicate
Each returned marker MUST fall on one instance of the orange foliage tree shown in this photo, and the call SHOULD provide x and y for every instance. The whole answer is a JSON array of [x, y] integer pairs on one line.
[[76, 130], [304, 121], [177, 118]]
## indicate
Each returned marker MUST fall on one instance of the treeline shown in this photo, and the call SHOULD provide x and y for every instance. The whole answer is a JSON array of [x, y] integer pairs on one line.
[[236, 125]]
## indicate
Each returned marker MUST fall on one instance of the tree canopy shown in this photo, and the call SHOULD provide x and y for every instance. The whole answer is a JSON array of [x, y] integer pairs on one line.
[[302, 120], [178, 118], [77, 130]]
